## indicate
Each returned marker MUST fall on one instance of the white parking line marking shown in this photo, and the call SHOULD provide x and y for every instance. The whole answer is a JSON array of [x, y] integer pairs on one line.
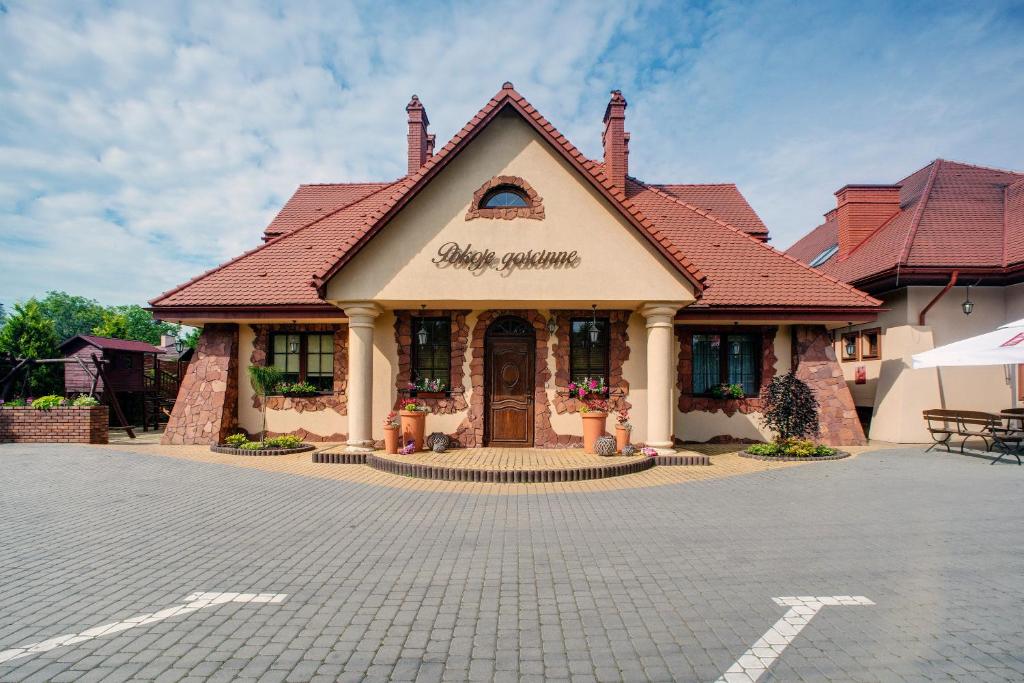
[[193, 603], [762, 654]]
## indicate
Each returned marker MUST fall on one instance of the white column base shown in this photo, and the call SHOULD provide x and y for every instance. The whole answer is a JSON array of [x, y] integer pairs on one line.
[[359, 447]]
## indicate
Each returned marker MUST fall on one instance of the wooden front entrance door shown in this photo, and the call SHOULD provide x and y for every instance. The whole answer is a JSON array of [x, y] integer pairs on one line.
[[508, 383]]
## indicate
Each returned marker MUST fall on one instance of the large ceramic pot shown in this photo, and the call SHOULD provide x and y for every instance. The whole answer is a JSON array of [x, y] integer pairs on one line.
[[593, 427], [414, 423], [621, 438], [391, 440]]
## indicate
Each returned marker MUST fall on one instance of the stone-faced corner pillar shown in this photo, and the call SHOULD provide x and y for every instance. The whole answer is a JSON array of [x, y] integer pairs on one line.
[[660, 373], [206, 409], [818, 367], [361, 318]]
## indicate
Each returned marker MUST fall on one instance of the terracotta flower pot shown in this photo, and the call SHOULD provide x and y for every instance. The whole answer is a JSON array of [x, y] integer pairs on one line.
[[593, 428], [621, 438], [414, 423], [391, 440]]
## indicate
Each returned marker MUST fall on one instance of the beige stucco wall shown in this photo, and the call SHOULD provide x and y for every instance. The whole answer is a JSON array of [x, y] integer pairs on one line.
[[702, 426], [321, 422], [617, 266], [693, 426], [898, 393]]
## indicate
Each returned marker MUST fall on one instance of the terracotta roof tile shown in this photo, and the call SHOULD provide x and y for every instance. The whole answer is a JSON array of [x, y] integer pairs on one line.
[[723, 200], [952, 215], [314, 201], [113, 344]]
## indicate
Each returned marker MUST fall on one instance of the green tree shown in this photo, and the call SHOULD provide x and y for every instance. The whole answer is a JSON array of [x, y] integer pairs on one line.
[[191, 337], [28, 333], [71, 314], [133, 322]]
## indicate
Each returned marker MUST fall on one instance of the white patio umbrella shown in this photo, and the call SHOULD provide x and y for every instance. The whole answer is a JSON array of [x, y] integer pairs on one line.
[[1004, 346]]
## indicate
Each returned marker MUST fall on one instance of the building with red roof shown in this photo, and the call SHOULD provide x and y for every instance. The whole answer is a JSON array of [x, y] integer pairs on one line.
[[504, 267], [948, 234]]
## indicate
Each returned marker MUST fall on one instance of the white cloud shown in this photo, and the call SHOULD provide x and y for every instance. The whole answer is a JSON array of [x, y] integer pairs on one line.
[[143, 143]]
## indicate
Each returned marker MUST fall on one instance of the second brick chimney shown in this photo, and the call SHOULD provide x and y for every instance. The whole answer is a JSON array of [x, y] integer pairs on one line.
[[862, 209], [421, 144], [616, 141]]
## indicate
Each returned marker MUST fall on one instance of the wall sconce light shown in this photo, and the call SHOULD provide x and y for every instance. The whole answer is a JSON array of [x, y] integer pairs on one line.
[[850, 342], [421, 336], [552, 325], [594, 334], [967, 305], [179, 345], [293, 345]]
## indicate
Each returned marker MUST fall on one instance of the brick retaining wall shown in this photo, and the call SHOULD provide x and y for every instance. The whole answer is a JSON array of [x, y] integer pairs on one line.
[[57, 425]]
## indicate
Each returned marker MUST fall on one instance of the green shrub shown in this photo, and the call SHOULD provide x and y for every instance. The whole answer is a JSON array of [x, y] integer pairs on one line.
[[48, 402], [14, 403], [824, 450], [236, 440], [795, 448], [250, 446], [790, 408], [764, 449], [85, 401], [283, 441]]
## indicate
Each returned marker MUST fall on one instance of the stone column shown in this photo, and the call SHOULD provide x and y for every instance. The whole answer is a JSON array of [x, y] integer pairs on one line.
[[660, 373], [361, 317], [206, 409], [818, 367]]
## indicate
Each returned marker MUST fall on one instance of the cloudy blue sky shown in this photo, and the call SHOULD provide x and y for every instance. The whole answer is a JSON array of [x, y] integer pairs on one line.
[[141, 143]]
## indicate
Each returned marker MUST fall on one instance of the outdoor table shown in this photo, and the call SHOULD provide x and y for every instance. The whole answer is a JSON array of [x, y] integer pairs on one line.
[[1009, 439]]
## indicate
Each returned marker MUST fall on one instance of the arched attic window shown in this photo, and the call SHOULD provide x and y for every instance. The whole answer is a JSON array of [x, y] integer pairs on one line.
[[506, 197]]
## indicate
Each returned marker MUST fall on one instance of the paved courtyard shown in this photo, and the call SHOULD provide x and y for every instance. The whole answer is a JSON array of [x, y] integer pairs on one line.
[[352, 580]]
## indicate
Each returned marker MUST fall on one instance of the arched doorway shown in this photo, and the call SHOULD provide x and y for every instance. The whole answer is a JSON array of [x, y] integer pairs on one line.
[[509, 348]]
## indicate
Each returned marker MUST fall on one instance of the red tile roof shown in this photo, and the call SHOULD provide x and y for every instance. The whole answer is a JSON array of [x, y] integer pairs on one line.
[[952, 215], [723, 200], [112, 344], [741, 270], [312, 202], [709, 232]]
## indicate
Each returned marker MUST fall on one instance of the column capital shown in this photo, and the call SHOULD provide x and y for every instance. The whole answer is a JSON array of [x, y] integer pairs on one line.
[[361, 314], [660, 313]]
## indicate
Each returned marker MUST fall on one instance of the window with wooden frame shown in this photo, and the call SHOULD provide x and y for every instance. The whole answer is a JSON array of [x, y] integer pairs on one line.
[[849, 346], [871, 344], [726, 358], [432, 352], [587, 357], [505, 197], [304, 357]]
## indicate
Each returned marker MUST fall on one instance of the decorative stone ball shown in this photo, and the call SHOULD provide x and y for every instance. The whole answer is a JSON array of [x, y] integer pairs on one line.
[[605, 445], [629, 449], [438, 438]]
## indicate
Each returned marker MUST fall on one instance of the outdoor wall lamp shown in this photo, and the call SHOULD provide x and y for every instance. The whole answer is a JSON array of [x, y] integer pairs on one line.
[[422, 334], [293, 346], [967, 305], [594, 334], [179, 346], [851, 346], [552, 325]]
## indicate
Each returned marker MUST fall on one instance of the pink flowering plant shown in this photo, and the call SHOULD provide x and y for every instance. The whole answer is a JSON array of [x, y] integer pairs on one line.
[[391, 420], [622, 419], [591, 391], [428, 384]]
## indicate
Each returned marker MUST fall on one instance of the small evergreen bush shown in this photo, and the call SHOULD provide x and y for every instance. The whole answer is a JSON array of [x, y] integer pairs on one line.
[[790, 408]]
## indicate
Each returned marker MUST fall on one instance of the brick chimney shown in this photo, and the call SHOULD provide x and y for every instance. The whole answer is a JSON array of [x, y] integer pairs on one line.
[[420, 143], [616, 140], [862, 209]]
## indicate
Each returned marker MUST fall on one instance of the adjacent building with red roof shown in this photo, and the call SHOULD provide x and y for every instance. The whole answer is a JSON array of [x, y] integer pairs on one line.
[[947, 234], [502, 268]]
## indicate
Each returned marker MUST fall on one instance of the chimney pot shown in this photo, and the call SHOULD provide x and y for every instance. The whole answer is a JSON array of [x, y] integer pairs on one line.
[[616, 141]]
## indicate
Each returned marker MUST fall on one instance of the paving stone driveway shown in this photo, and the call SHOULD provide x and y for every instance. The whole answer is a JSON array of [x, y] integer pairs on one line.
[[665, 583]]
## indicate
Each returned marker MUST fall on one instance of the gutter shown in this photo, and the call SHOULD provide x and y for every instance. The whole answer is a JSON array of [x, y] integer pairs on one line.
[[945, 290]]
